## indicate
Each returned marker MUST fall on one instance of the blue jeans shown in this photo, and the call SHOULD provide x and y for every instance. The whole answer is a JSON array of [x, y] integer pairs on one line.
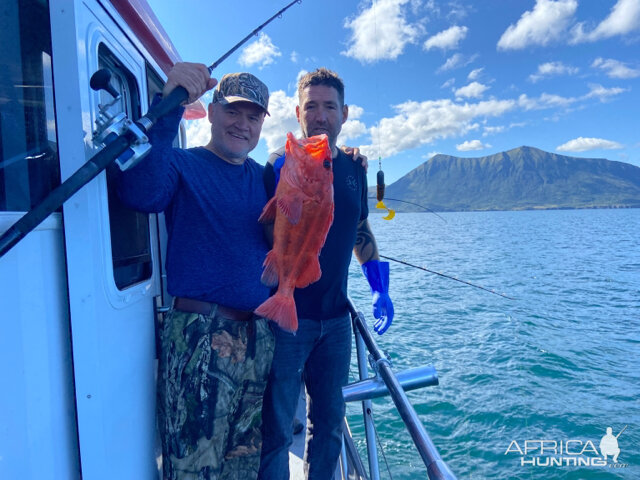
[[321, 350]]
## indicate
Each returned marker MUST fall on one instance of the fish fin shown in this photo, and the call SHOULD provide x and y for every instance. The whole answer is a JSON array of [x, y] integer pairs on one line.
[[270, 274], [310, 274], [281, 309], [291, 206], [269, 211]]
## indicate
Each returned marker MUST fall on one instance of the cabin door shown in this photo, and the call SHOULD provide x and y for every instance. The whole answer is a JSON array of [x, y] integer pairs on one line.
[[113, 263]]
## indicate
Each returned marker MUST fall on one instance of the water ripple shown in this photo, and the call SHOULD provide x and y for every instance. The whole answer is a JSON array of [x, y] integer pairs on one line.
[[561, 362]]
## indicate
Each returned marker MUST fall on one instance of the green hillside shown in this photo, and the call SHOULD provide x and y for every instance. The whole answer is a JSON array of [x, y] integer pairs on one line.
[[519, 179]]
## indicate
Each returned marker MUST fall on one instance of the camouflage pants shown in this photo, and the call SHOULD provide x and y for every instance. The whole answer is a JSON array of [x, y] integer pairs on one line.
[[211, 379]]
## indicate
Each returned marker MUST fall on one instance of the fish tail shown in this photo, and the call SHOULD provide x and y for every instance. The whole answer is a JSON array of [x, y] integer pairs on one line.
[[282, 310]]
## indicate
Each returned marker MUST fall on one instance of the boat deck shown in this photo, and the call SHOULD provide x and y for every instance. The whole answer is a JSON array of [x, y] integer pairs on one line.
[[296, 452]]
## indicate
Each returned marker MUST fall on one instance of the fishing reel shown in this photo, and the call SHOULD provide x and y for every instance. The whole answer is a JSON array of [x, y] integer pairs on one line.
[[109, 126]]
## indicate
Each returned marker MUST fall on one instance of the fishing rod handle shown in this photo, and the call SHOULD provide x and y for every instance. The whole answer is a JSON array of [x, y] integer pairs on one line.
[[175, 98]]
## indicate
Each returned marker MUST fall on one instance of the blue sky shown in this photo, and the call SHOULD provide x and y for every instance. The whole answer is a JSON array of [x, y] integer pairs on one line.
[[422, 77]]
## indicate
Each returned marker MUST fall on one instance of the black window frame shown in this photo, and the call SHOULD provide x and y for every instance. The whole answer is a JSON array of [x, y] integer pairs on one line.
[[129, 229]]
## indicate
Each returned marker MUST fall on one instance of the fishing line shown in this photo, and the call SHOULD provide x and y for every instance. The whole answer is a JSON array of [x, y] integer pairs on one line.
[[417, 205], [384, 456], [380, 175], [254, 32], [448, 276]]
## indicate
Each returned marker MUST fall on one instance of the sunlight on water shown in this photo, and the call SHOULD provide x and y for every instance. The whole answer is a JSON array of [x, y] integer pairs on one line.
[[558, 363]]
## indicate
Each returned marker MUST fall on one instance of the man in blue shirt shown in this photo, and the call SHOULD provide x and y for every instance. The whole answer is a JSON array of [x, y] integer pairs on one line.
[[215, 353], [320, 350]]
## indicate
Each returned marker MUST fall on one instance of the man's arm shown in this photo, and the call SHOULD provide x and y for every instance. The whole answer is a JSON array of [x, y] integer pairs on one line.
[[150, 185], [366, 248], [377, 274]]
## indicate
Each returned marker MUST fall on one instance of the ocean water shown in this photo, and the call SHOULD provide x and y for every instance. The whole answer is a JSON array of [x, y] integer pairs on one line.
[[560, 363]]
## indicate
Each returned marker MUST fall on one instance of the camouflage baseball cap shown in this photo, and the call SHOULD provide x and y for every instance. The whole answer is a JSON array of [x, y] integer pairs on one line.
[[241, 87]]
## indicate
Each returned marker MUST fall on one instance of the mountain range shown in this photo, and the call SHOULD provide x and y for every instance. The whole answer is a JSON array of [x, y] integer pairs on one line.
[[523, 178]]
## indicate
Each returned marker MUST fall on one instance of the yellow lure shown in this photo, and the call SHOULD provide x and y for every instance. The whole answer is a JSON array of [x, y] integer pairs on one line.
[[391, 213]]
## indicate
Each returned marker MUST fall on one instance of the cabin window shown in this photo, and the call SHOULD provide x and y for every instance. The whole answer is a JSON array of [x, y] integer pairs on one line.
[[29, 167], [130, 241]]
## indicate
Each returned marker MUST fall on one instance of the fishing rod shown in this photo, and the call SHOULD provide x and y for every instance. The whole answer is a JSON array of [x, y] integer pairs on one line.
[[125, 142], [447, 276], [416, 204], [180, 94], [255, 32]]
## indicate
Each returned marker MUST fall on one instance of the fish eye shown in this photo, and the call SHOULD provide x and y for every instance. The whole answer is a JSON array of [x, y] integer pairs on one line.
[[326, 164]]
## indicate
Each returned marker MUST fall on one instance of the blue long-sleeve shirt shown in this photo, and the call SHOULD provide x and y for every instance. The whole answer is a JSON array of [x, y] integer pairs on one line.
[[215, 244]]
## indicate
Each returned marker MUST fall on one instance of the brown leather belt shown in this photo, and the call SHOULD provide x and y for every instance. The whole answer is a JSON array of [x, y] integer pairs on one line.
[[206, 308]]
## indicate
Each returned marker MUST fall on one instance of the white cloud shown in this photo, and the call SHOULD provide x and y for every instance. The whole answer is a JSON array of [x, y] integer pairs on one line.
[[474, 74], [415, 124], [282, 120], [545, 100], [493, 130], [582, 144], [355, 112], [447, 39], [421, 123], [198, 132], [352, 128], [547, 22], [380, 32], [615, 68], [552, 68], [469, 145], [295, 56], [458, 11], [602, 93], [262, 52], [624, 18], [473, 90], [457, 60], [448, 83]]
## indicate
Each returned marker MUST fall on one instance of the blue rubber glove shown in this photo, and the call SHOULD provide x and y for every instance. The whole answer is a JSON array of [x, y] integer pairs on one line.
[[377, 274]]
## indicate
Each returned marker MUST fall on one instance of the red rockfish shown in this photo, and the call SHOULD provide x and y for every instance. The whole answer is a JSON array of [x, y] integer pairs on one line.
[[303, 211]]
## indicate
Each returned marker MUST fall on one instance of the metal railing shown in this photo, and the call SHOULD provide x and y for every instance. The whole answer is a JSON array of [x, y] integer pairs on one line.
[[386, 382]]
